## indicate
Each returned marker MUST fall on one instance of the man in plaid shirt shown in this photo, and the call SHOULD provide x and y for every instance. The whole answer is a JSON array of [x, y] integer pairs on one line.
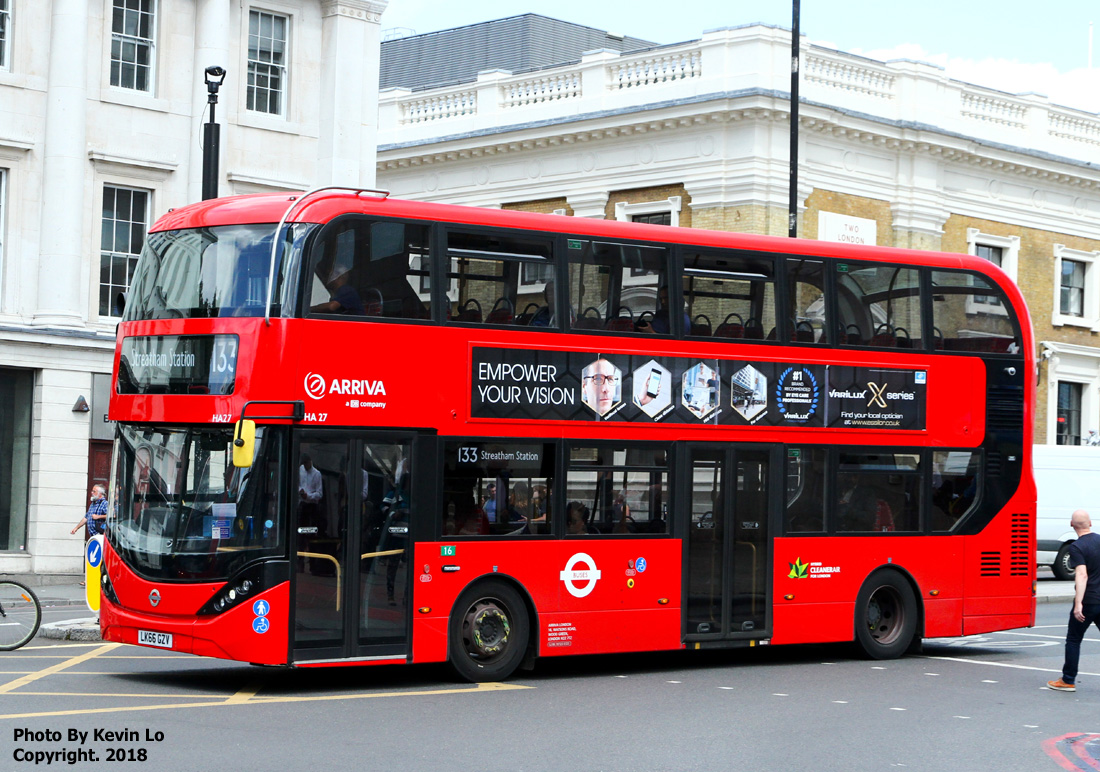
[[95, 522]]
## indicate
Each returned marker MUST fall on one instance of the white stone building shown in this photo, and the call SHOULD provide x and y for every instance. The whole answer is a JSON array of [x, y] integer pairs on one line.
[[101, 110], [697, 134]]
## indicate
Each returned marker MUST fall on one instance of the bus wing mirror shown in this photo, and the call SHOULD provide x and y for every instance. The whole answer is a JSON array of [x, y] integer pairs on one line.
[[244, 443]]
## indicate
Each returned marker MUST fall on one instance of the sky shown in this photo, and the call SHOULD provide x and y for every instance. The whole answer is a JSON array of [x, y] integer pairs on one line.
[[1017, 46]]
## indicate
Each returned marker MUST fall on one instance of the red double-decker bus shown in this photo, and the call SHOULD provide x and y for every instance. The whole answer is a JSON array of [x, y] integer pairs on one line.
[[356, 430]]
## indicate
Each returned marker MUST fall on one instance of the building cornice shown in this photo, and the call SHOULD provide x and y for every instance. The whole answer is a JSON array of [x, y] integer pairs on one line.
[[142, 168], [769, 106], [14, 149], [366, 10]]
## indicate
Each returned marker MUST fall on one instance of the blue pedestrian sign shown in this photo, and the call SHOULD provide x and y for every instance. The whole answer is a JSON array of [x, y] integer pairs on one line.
[[260, 608], [94, 552], [261, 625]]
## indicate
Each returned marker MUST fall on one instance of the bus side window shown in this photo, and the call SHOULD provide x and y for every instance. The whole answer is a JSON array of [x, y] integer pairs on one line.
[[622, 288], [806, 301], [499, 278], [726, 294], [879, 305], [806, 490], [620, 490], [366, 268], [970, 314]]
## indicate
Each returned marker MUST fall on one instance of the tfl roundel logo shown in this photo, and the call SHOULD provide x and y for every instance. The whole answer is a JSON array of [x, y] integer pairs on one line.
[[315, 385]]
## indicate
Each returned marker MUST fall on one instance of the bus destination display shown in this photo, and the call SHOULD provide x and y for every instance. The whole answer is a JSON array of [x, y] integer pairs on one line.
[[582, 386], [178, 364]]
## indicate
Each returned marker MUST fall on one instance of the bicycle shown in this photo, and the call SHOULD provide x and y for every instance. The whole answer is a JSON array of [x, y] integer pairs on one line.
[[20, 614]]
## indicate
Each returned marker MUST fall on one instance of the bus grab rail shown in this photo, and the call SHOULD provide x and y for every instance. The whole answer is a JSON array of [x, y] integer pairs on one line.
[[296, 201], [364, 556]]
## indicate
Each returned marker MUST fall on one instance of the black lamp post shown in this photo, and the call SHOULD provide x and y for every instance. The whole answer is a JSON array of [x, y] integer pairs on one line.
[[792, 202], [211, 135]]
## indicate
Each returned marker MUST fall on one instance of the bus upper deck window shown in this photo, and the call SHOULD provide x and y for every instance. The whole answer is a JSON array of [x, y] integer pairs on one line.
[[366, 268], [622, 288], [971, 314]]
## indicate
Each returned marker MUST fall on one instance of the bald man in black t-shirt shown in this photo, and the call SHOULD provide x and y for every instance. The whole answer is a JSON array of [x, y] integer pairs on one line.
[[1084, 556]]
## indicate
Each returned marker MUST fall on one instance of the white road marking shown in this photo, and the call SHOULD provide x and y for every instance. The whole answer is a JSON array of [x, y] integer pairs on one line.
[[778, 694], [899, 708], [841, 702], [1004, 664], [987, 681], [932, 674], [967, 718]]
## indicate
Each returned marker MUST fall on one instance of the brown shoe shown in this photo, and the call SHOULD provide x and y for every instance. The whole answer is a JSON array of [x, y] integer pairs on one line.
[[1061, 686]]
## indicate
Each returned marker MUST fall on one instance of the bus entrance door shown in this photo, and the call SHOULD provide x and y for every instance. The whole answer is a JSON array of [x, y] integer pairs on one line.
[[351, 543], [727, 547]]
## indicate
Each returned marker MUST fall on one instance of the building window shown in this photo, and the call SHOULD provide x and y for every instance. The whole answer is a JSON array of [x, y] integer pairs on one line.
[[267, 43], [16, 399], [5, 33], [1076, 288], [665, 212], [122, 236], [133, 26], [1069, 413], [1073, 288], [3, 212]]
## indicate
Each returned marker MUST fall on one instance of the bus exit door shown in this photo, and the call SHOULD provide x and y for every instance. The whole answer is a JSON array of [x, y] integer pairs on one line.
[[350, 545], [729, 500]]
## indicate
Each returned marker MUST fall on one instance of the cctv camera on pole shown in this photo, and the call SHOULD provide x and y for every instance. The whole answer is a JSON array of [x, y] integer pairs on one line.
[[211, 135]]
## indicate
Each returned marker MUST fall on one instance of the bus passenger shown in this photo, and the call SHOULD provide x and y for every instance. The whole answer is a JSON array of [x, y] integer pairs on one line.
[[343, 298], [576, 518]]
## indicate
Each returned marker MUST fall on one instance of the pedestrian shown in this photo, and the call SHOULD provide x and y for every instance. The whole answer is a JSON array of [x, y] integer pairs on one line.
[[1084, 557], [95, 521]]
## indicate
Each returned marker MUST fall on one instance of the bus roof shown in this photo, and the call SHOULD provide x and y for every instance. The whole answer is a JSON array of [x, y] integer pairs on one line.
[[323, 206]]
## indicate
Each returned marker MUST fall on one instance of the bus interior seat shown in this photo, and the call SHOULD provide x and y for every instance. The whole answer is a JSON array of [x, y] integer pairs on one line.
[[623, 321], [501, 312], [528, 314], [590, 319], [470, 311], [730, 328], [700, 326], [373, 302], [754, 330]]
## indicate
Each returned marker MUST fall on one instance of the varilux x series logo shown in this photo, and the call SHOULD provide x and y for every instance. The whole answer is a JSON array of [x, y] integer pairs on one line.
[[876, 394]]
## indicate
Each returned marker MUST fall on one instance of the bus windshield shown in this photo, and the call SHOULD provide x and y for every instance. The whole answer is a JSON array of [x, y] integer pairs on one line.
[[210, 272], [181, 510]]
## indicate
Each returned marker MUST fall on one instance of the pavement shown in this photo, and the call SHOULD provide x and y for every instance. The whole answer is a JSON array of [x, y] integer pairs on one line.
[[1050, 590]]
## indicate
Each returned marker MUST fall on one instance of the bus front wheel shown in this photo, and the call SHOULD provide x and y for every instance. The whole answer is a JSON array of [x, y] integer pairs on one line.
[[886, 615], [488, 634]]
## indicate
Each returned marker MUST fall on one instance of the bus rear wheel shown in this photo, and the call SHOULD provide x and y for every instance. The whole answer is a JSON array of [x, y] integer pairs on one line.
[[886, 616], [489, 630]]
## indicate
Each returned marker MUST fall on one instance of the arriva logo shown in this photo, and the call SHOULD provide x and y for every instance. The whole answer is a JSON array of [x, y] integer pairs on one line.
[[316, 388]]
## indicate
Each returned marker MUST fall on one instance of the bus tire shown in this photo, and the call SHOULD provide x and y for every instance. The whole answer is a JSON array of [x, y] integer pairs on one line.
[[488, 632], [886, 615], [1060, 566]]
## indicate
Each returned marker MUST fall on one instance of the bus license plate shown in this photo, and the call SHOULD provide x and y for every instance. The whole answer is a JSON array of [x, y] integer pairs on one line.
[[149, 638]]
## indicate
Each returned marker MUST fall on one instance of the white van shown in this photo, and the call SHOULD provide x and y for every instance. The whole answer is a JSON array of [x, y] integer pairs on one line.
[[1067, 478]]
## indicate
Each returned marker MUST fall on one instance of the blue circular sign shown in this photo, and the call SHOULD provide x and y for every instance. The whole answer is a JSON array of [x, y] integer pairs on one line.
[[640, 565], [261, 625], [260, 608], [94, 552]]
